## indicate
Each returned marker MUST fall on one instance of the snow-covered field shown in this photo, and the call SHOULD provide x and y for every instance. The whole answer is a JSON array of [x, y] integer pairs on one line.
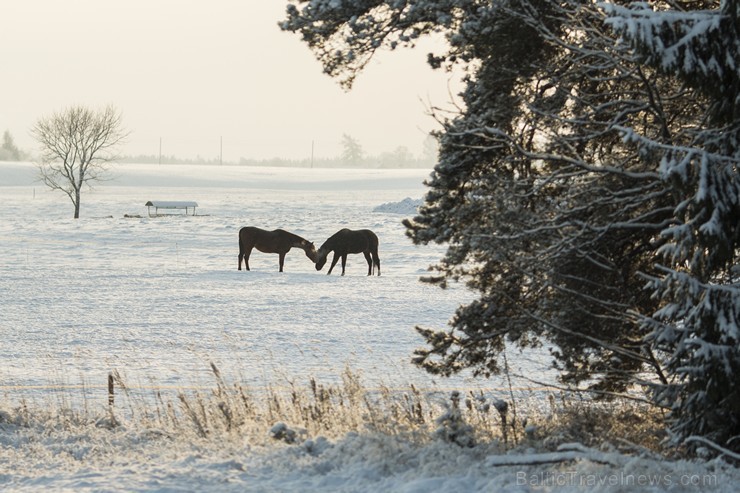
[[159, 299]]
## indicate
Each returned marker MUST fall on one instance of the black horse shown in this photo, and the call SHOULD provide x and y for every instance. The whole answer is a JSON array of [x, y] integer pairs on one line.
[[278, 241], [347, 241]]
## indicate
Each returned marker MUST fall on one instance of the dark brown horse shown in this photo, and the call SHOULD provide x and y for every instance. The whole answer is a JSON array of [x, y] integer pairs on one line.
[[346, 241], [278, 241]]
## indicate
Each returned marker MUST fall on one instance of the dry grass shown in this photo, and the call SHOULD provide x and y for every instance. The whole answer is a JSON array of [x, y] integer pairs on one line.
[[626, 425], [230, 411]]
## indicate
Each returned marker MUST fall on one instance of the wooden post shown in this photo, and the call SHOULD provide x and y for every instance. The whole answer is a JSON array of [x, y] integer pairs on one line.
[[111, 396]]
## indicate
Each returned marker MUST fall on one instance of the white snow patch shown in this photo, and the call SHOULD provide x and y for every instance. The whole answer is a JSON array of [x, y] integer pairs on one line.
[[407, 206]]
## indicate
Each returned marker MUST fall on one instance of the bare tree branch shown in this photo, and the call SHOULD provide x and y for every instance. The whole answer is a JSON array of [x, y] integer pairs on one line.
[[76, 145]]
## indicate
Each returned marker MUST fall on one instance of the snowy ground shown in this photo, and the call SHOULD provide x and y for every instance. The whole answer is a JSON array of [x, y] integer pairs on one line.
[[159, 299]]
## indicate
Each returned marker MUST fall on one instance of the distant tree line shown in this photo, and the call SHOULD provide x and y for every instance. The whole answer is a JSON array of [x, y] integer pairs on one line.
[[351, 156]]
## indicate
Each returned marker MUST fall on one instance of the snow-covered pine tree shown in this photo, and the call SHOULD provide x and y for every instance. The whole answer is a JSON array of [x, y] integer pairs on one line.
[[548, 211], [549, 214], [697, 328]]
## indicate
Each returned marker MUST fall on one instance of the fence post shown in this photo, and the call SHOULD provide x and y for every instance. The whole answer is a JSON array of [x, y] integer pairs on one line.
[[111, 397]]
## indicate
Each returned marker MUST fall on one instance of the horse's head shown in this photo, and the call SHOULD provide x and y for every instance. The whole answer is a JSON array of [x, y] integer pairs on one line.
[[310, 250], [321, 255]]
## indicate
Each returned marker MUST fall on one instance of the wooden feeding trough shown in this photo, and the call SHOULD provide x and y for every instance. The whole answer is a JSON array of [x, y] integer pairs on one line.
[[157, 208]]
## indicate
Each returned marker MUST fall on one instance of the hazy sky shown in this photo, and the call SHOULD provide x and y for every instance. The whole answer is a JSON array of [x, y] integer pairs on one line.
[[193, 72]]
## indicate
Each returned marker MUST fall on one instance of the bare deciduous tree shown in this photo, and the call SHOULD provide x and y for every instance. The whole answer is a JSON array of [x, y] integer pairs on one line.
[[76, 145]]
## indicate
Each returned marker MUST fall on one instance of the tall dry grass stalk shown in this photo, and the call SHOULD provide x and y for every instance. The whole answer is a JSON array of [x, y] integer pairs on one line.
[[231, 411]]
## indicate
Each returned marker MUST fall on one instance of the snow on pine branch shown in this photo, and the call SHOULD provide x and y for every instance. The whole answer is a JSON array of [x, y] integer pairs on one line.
[[670, 38]]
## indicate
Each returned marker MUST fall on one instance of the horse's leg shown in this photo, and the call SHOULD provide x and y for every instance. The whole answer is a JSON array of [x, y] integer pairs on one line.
[[369, 263], [344, 262], [282, 260], [247, 252], [333, 262], [376, 260], [241, 251]]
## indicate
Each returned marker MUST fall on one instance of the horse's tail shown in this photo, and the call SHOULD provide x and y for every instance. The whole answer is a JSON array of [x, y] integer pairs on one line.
[[374, 242]]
